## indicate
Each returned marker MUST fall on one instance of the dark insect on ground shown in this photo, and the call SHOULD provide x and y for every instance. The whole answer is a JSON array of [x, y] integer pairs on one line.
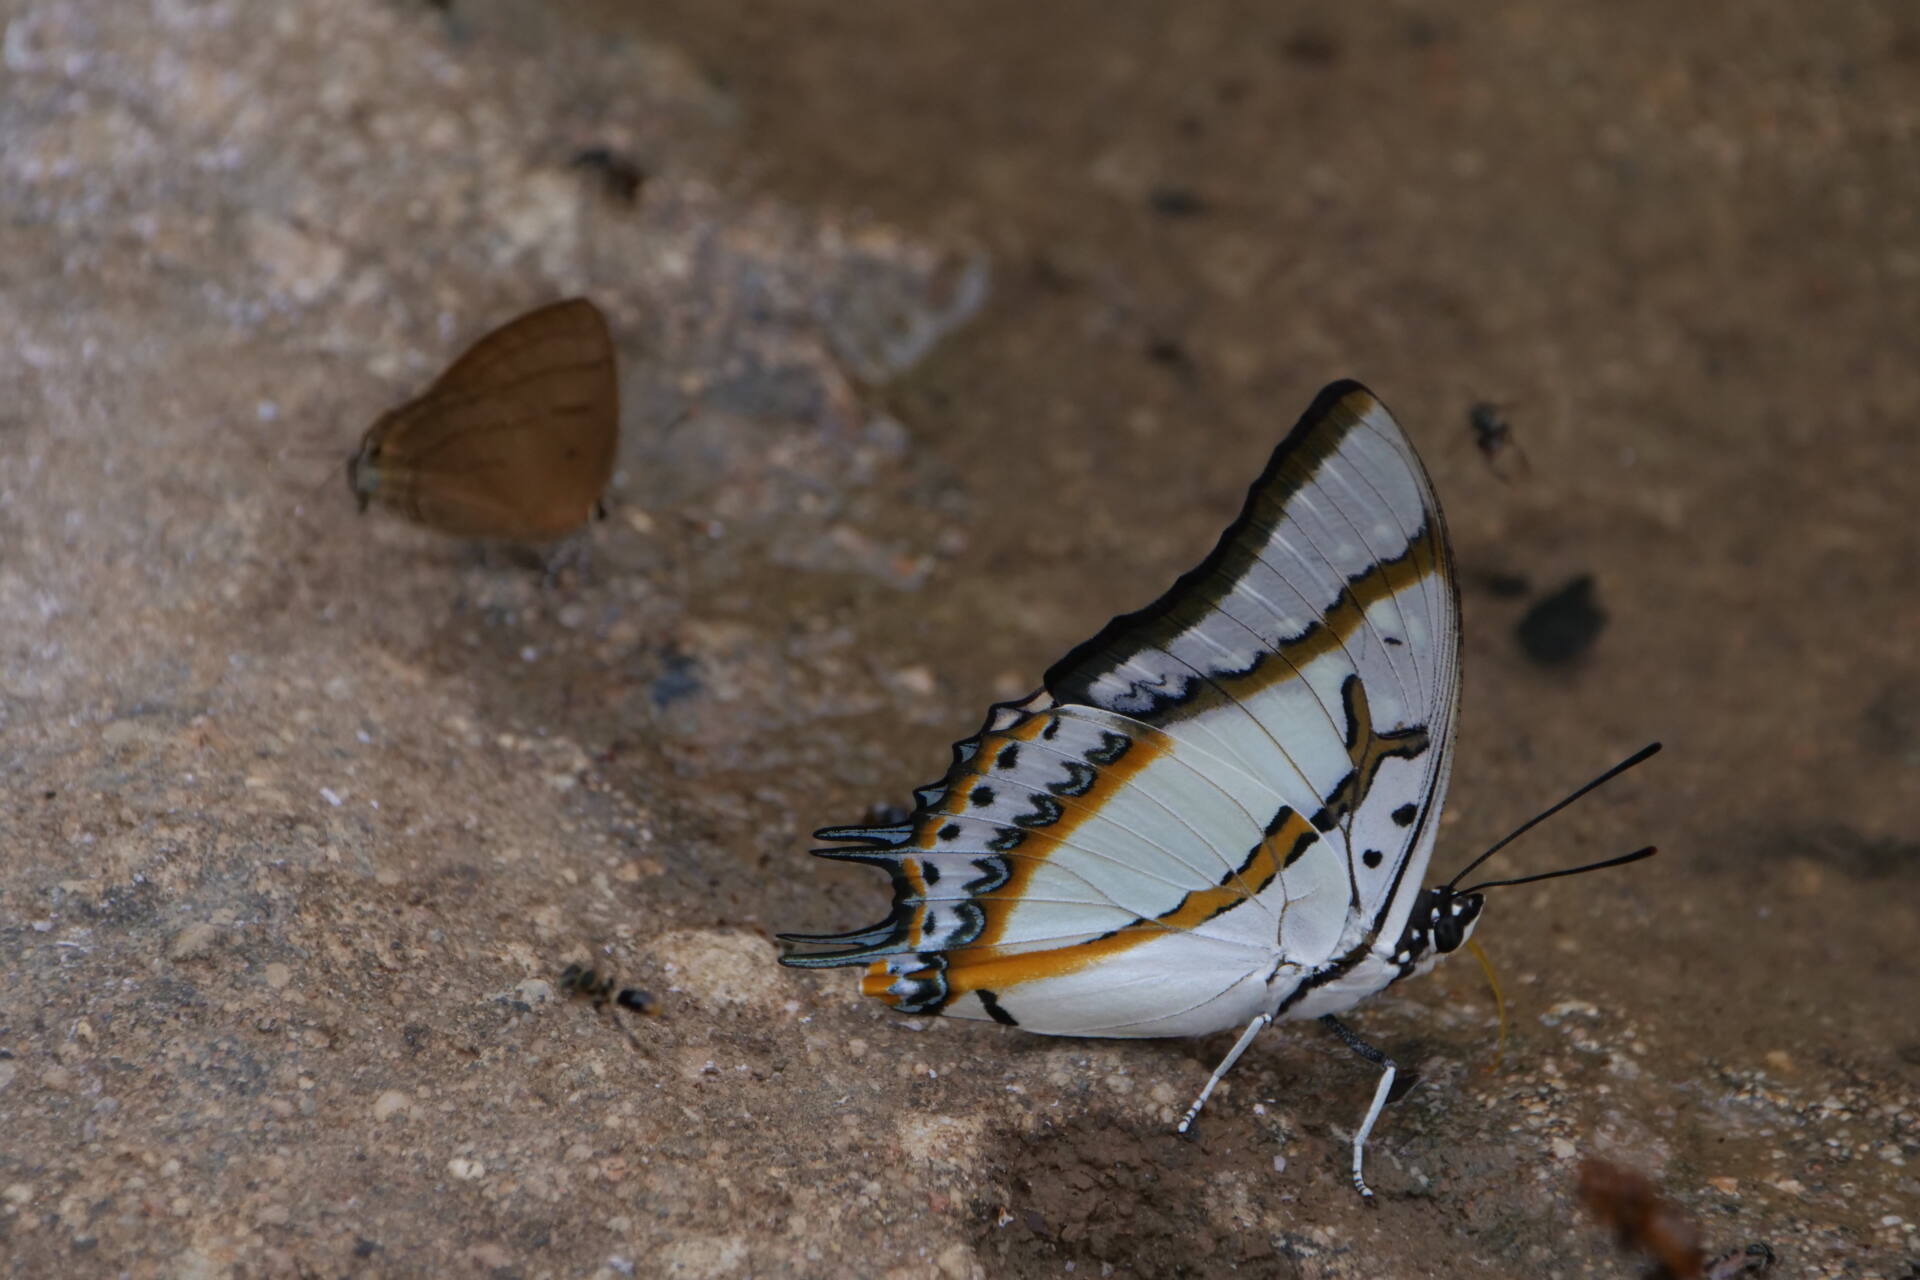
[[603, 988]]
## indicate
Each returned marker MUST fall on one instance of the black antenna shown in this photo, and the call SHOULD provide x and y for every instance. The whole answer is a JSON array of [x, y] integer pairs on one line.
[[1602, 865], [1643, 754]]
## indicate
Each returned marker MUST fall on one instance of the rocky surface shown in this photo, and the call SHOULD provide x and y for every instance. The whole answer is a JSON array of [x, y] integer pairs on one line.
[[944, 336]]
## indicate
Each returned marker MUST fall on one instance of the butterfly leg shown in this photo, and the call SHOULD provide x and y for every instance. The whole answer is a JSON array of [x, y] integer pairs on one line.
[[1382, 1092], [1254, 1028]]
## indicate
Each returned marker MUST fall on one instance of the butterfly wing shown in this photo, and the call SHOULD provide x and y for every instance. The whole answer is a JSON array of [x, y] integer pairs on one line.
[[517, 439], [1215, 800], [1317, 646]]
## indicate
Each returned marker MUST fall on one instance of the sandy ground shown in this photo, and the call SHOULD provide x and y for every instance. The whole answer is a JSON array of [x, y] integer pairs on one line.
[[946, 332]]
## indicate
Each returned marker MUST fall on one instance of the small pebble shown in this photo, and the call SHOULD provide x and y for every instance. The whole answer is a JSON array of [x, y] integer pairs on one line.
[[193, 942]]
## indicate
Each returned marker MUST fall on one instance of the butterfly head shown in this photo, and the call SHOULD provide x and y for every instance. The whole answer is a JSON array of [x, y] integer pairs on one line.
[[1443, 916], [1440, 923], [363, 466]]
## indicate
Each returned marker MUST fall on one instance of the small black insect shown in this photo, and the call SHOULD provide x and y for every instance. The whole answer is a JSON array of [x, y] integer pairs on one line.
[[621, 177], [591, 984], [1493, 434]]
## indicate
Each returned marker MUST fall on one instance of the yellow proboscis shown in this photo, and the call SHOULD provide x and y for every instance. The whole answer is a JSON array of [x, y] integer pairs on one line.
[[1499, 1000]]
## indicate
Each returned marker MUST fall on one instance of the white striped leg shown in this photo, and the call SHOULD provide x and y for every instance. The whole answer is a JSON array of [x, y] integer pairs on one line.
[[1388, 1069], [1254, 1028]]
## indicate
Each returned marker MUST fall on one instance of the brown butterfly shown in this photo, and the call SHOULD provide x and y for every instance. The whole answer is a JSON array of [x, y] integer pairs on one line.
[[1642, 1220], [516, 439], [1647, 1223]]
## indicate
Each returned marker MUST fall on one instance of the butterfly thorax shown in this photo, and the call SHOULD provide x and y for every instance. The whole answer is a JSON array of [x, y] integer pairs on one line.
[[1440, 923]]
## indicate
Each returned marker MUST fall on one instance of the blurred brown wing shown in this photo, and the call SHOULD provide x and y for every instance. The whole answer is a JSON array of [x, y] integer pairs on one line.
[[517, 439]]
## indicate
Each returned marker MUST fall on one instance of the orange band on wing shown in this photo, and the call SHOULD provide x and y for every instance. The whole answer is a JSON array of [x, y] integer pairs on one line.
[[984, 966]]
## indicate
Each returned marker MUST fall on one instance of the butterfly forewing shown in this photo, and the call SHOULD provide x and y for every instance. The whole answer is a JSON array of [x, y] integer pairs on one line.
[[517, 439], [1218, 796]]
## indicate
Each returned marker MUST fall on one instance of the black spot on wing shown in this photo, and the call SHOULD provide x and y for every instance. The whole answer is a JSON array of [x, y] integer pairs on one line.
[[991, 1003], [970, 921], [1359, 720], [1045, 812], [1007, 841], [925, 989], [994, 873], [1079, 780]]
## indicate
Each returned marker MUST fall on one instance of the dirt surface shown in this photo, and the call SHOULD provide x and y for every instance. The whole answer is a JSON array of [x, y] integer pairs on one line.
[[946, 332]]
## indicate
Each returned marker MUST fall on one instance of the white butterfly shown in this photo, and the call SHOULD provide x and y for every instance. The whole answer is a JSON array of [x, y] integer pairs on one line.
[[1217, 811]]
